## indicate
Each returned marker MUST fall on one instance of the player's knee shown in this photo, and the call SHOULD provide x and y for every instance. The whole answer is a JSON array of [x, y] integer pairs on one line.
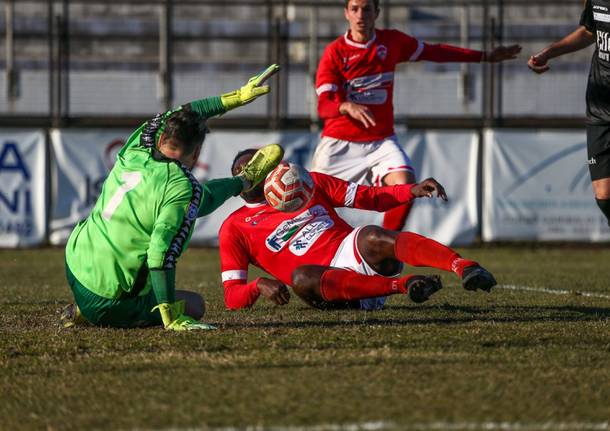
[[194, 303], [300, 280], [376, 240], [303, 280], [197, 308]]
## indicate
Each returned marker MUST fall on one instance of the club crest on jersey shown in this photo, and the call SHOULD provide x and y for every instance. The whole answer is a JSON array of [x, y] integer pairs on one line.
[[250, 219], [382, 52], [283, 234], [191, 214]]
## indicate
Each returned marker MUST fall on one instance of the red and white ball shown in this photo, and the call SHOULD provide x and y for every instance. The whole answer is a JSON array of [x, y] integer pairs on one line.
[[288, 187]]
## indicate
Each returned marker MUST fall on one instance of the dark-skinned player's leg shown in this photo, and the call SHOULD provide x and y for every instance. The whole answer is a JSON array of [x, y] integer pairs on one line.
[[383, 250], [326, 287], [306, 285], [377, 245]]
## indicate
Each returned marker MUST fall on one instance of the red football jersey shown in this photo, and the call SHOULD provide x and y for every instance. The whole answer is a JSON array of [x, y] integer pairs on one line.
[[278, 242], [363, 73]]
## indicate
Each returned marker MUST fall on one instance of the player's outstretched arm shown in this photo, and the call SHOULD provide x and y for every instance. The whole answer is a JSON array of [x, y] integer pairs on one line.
[[501, 53], [251, 90], [427, 188], [575, 41], [443, 53], [218, 191], [217, 105]]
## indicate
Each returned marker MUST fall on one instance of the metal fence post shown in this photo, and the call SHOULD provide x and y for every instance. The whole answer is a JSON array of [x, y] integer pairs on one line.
[[465, 88], [312, 67], [50, 46], [165, 84], [12, 74], [499, 37], [65, 60], [487, 95]]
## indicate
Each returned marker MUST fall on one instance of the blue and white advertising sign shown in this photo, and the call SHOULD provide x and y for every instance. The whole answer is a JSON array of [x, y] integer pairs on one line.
[[537, 187], [22, 188], [81, 162]]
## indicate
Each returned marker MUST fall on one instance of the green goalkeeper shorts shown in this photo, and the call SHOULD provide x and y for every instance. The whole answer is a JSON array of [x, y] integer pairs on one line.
[[117, 313]]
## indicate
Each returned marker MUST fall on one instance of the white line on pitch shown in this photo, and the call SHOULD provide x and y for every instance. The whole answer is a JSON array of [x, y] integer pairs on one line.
[[429, 426], [552, 291]]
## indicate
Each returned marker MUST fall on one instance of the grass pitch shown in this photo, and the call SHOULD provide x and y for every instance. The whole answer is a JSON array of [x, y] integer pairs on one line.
[[464, 360]]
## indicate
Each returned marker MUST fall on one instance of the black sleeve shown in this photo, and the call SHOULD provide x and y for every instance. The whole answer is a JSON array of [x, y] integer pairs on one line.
[[586, 18]]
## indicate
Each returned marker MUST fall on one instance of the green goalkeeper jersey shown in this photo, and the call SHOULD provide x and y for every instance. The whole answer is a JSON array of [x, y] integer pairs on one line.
[[144, 217]]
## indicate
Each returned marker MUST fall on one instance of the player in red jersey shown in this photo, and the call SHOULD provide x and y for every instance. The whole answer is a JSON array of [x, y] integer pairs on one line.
[[354, 84], [327, 262]]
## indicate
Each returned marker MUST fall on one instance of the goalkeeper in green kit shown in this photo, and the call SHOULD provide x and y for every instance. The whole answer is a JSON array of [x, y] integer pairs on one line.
[[121, 260]]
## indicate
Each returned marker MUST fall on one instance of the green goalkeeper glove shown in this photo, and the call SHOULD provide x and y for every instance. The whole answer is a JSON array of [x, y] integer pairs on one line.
[[250, 91], [186, 323], [174, 318]]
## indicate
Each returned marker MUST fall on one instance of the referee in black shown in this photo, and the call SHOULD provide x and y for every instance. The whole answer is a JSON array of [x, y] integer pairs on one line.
[[594, 27]]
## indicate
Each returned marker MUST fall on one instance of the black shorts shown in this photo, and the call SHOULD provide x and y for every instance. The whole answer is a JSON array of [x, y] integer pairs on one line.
[[598, 151]]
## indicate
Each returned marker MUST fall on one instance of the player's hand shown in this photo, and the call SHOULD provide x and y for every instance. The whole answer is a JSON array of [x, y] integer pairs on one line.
[[427, 188], [174, 319], [359, 113], [538, 63], [250, 91], [274, 290], [502, 53], [187, 323]]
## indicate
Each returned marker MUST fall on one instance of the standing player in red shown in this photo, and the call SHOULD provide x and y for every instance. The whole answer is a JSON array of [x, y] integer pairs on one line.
[[326, 261], [354, 84]]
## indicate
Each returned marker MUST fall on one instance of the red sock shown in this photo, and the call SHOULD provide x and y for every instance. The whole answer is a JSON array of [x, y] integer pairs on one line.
[[417, 250], [396, 218], [341, 284]]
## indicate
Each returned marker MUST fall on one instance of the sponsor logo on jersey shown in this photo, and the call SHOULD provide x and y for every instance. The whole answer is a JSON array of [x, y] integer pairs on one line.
[[602, 17], [346, 61], [592, 161], [382, 52], [598, 7], [303, 241], [603, 45], [371, 89], [283, 234]]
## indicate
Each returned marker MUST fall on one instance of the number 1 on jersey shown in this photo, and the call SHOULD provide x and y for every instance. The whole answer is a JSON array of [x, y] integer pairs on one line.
[[131, 180]]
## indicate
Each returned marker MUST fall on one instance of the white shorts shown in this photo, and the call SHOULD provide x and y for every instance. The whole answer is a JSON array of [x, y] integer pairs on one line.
[[348, 257], [360, 162]]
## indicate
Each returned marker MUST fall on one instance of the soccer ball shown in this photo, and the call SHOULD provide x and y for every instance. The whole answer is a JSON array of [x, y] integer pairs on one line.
[[288, 187]]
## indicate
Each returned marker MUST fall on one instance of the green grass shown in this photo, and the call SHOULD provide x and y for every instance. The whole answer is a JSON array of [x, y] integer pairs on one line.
[[463, 357]]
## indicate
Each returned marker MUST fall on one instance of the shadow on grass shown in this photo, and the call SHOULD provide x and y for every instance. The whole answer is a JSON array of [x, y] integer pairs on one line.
[[462, 314]]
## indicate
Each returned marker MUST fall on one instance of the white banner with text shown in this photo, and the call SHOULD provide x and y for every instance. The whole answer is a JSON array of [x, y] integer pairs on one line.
[[23, 194], [81, 161], [537, 187]]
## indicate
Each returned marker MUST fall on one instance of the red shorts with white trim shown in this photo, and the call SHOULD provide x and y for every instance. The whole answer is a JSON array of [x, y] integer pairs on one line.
[[360, 162]]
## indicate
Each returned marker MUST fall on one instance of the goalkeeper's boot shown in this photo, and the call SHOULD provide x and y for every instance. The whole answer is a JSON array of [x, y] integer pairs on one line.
[[71, 316], [421, 287], [476, 277], [261, 163]]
